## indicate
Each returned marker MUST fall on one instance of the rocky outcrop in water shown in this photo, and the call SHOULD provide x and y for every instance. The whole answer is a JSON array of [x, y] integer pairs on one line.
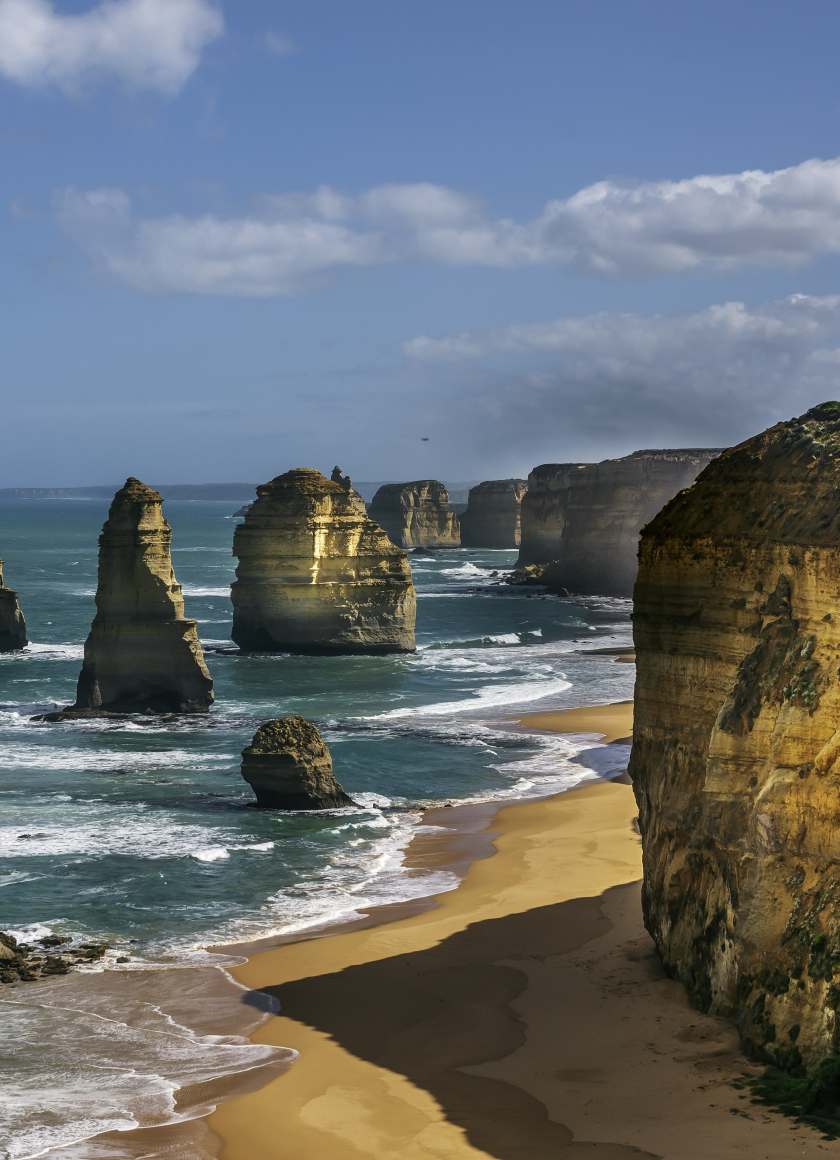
[[12, 624], [581, 521], [493, 515], [316, 575], [416, 515], [289, 767], [736, 744], [142, 655]]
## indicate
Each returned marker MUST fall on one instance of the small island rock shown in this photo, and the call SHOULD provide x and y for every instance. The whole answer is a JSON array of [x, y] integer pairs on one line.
[[493, 515], [289, 767], [416, 515], [12, 624]]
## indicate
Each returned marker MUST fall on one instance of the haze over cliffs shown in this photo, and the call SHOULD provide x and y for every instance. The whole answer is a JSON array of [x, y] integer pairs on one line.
[[736, 745], [581, 521], [492, 518], [416, 515], [316, 575], [142, 654], [12, 624]]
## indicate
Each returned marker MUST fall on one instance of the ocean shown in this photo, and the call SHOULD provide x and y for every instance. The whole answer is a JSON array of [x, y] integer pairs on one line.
[[141, 833]]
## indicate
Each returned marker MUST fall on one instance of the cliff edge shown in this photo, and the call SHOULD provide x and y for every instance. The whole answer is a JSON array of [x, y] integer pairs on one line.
[[316, 575], [416, 515], [581, 521], [736, 743], [142, 654]]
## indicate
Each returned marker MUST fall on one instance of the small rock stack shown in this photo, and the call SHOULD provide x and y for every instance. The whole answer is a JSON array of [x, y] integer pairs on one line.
[[12, 624], [289, 767]]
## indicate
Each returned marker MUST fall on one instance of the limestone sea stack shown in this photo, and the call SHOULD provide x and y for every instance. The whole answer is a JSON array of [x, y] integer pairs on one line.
[[493, 515], [416, 515], [12, 624], [736, 743], [142, 654], [289, 767], [316, 575], [581, 521]]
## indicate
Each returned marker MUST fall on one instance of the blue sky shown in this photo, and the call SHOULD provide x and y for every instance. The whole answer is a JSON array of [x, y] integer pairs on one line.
[[238, 239]]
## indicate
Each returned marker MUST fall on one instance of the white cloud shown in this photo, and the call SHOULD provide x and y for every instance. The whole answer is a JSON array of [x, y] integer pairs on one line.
[[147, 44], [708, 377], [293, 241]]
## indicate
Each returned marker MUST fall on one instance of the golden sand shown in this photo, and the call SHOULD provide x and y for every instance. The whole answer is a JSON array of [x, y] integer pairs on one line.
[[527, 1017]]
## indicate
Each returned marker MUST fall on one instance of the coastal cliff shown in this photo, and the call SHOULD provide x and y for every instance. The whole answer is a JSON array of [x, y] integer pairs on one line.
[[736, 743], [493, 515], [142, 654], [12, 624], [416, 515], [289, 767], [316, 575], [581, 521]]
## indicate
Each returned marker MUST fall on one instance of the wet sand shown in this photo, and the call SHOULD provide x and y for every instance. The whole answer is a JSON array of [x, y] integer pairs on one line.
[[614, 722], [525, 1017]]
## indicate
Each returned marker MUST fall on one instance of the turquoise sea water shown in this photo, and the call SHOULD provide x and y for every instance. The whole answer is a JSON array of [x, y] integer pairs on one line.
[[142, 834]]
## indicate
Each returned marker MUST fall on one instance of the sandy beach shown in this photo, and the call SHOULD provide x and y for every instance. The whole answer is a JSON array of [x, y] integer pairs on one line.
[[525, 1016]]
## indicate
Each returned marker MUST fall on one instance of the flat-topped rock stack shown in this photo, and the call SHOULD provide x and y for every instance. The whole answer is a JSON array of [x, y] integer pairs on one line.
[[736, 743], [142, 654], [289, 767], [493, 515], [316, 575], [416, 515], [12, 624], [581, 521]]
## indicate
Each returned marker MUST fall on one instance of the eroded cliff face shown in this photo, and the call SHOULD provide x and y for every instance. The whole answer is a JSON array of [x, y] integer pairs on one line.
[[736, 744], [493, 515], [316, 575], [416, 515], [12, 624], [581, 521], [289, 767], [142, 654]]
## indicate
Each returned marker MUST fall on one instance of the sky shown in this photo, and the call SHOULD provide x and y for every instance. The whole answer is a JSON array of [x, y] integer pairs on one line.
[[450, 240]]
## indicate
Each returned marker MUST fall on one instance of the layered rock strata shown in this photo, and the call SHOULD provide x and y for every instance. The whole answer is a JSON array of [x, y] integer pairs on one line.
[[12, 624], [316, 575], [142, 655], [581, 521], [736, 743], [493, 515], [416, 515], [289, 767]]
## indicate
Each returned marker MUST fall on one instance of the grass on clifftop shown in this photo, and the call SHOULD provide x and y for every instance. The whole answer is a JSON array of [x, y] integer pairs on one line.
[[814, 1100]]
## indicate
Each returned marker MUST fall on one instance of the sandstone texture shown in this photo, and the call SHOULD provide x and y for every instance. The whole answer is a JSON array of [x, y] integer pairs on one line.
[[493, 515], [736, 744], [316, 575], [12, 624], [289, 767], [142, 654], [416, 515], [581, 521]]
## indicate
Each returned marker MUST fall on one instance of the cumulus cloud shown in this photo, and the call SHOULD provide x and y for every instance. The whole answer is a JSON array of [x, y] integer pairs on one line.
[[708, 377], [146, 44], [291, 242]]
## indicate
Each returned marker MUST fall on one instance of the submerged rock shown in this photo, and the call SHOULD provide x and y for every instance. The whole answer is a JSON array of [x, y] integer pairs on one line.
[[316, 575], [289, 767], [493, 515], [581, 521], [416, 515], [736, 743], [12, 624], [142, 655]]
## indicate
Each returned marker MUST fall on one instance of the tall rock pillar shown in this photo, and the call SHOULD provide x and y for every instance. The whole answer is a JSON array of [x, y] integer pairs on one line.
[[143, 654], [416, 515], [316, 575], [12, 624]]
